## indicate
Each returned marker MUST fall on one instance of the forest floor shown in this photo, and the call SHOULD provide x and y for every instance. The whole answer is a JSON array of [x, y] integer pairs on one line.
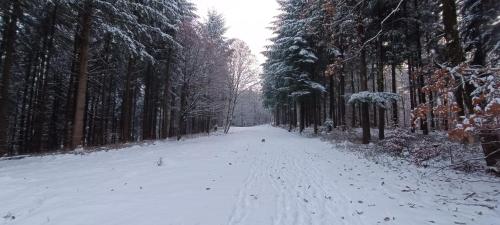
[[253, 176]]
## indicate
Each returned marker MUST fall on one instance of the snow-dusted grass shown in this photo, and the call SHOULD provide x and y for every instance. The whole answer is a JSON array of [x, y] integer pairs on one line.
[[235, 179]]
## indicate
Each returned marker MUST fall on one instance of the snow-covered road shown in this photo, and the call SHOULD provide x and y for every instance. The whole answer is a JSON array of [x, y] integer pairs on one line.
[[230, 180]]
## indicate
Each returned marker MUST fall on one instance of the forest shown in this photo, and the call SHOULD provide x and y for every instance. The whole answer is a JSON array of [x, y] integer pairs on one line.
[[249, 112], [106, 72], [425, 65]]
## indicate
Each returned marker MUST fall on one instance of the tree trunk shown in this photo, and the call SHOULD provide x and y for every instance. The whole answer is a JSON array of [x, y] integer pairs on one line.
[[342, 98], [491, 148], [454, 49], [183, 112], [380, 76], [374, 89], [301, 114], [332, 99], [166, 97], [420, 75], [395, 113], [315, 112], [10, 37], [81, 93], [380, 88], [353, 90], [126, 116], [455, 54], [365, 114]]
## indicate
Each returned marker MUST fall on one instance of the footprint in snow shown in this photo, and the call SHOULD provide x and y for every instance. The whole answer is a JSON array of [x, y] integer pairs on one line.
[[9, 216]]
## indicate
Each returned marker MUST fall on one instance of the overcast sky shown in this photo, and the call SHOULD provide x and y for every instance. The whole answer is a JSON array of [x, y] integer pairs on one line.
[[247, 20]]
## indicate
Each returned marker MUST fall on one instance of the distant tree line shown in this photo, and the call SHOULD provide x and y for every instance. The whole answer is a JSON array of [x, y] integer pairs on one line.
[[250, 111], [83, 73], [423, 64]]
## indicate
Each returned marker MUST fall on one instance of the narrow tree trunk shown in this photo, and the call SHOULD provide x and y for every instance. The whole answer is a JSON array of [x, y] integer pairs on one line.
[[315, 112], [70, 95], [52, 116], [24, 123], [228, 117], [167, 97], [412, 88], [126, 116], [4, 31], [353, 90], [81, 93], [342, 98], [333, 103], [41, 108], [380, 88], [395, 113], [10, 37], [374, 89], [365, 118], [301, 113], [183, 112]]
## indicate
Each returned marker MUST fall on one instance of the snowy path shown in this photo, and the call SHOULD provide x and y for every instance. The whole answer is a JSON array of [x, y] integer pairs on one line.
[[231, 180]]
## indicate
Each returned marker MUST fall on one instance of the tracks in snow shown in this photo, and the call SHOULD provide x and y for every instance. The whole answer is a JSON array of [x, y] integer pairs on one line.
[[288, 184], [236, 180]]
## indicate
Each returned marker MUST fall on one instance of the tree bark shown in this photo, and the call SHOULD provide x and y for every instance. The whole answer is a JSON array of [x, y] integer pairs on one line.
[[342, 98], [81, 92], [395, 113], [421, 81], [315, 112], [365, 114], [380, 88], [455, 54], [183, 112], [380, 76], [126, 116], [10, 37], [332, 99], [167, 98], [353, 90]]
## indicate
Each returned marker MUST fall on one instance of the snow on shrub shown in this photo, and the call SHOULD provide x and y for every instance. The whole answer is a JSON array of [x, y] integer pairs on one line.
[[425, 151], [328, 125], [482, 116], [396, 141], [486, 101], [379, 98]]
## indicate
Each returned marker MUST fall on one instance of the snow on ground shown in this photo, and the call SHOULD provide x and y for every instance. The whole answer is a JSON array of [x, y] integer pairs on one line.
[[234, 179]]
